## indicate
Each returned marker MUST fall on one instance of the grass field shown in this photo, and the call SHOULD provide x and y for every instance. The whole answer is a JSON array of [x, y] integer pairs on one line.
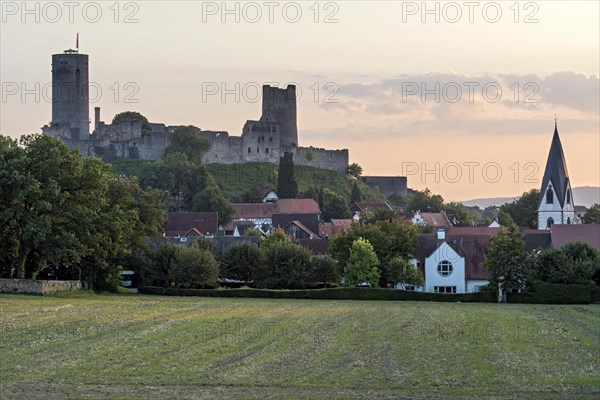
[[88, 346]]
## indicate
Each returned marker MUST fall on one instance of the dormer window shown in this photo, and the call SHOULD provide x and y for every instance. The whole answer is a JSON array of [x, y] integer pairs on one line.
[[549, 196]]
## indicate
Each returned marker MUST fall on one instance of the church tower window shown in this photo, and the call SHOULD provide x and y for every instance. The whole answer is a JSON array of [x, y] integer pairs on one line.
[[568, 196], [549, 196]]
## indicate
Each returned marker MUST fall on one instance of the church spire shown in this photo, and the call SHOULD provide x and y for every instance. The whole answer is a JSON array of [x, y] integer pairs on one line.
[[556, 173]]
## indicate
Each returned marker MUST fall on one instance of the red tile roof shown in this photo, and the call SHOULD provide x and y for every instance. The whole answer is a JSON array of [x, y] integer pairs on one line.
[[437, 220], [181, 223], [472, 230], [281, 206], [562, 234], [335, 227]]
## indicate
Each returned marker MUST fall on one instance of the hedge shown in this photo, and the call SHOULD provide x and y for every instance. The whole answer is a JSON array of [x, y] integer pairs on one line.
[[352, 293], [554, 293]]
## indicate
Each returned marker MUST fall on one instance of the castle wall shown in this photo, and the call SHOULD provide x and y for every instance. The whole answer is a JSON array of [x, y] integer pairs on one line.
[[336, 160], [388, 185], [279, 105], [225, 149], [261, 141]]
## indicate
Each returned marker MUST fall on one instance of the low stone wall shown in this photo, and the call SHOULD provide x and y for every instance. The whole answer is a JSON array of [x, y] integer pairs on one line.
[[37, 286]]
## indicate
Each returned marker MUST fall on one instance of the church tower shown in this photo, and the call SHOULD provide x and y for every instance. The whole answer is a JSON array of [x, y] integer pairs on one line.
[[556, 200]]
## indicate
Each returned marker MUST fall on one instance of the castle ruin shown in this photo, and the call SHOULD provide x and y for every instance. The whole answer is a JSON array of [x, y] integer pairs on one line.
[[263, 140]]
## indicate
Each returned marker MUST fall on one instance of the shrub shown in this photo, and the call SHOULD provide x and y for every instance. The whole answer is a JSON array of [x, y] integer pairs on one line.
[[194, 268], [554, 293], [287, 266]]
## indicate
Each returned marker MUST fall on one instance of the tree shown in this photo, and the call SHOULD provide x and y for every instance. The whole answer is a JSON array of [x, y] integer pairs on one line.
[[194, 268], [241, 261], [275, 236], [287, 187], [133, 116], [58, 210], [585, 260], [212, 199], [324, 268], [506, 259], [425, 201], [592, 215], [186, 140], [523, 211], [334, 206], [363, 265], [504, 219], [354, 170], [402, 271], [389, 239], [287, 266], [356, 194]]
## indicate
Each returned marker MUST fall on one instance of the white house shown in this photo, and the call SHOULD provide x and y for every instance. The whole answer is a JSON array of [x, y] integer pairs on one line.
[[452, 262]]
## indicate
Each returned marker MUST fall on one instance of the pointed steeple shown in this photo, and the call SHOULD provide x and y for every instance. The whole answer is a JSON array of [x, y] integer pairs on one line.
[[556, 170]]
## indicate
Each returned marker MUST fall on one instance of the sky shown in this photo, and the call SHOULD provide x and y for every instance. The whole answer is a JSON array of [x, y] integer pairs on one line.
[[460, 97]]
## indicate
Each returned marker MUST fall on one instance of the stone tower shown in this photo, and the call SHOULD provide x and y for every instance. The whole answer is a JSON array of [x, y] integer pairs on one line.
[[279, 106], [70, 94], [556, 199]]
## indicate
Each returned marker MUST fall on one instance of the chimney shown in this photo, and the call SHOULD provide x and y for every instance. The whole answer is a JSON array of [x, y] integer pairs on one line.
[[441, 234], [96, 118]]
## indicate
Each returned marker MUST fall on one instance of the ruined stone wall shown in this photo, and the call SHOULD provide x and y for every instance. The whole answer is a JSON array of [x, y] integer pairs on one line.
[[33, 286], [261, 142], [336, 160], [388, 185], [225, 149], [279, 105]]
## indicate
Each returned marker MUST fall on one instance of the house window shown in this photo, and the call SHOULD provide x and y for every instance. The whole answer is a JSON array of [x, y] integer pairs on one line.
[[568, 196], [477, 288], [549, 222], [549, 196], [412, 288], [249, 150], [444, 268], [444, 289]]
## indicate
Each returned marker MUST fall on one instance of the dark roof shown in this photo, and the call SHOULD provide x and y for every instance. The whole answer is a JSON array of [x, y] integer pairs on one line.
[[536, 239], [318, 246], [181, 223], [589, 233], [281, 206], [473, 230], [223, 242], [311, 220], [556, 171], [472, 247], [302, 227], [370, 206]]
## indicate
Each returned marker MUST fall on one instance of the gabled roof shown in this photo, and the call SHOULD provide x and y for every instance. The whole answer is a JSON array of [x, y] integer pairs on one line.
[[437, 220], [556, 171], [564, 233], [472, 247], [181, 223], [303, 228], [281, 206], [335, 227], [370, 206]]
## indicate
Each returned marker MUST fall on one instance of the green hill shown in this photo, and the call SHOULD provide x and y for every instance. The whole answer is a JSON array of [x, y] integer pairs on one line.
[[239, 180]]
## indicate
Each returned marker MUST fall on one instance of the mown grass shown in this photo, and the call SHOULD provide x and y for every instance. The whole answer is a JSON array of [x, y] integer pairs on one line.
[[144, 347]]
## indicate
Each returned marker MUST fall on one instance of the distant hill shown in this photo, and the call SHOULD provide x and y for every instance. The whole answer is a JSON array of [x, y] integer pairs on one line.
[[583, 196]]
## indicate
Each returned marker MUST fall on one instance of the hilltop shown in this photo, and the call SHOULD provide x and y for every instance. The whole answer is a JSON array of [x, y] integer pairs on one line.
[[238, 181]]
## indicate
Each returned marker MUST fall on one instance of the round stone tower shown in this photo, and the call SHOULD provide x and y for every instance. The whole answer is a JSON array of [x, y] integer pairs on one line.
[[70, 94], [279, 105]]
